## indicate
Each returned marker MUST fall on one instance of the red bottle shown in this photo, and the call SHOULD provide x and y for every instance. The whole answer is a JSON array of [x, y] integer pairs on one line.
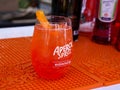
[[103, 25], [89, 12], [116, 26], [87, 17], [117, 45], [117, 34], [118, 14], [114, 32]]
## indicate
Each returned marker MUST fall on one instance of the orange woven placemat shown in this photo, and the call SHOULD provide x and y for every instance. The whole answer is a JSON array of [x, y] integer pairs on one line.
[[17, 73], [101, 61]]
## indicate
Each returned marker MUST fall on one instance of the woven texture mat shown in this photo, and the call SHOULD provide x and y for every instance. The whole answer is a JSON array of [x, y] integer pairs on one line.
[[93, 65], [102, 61]]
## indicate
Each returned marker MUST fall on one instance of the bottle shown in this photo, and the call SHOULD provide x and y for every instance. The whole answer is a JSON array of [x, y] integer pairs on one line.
[[87, 19], [117, 45], [71, 9], [114, 32], [89, 11], [117, 33], [103, 25], [116, 27]]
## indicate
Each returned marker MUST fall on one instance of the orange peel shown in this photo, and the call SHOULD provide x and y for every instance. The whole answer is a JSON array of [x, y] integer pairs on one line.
[[42, 19]]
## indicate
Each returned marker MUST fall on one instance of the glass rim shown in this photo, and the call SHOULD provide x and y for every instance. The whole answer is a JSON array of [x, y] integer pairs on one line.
[[66, 19]]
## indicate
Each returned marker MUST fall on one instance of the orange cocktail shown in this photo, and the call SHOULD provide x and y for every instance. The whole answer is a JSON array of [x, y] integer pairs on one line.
[[52, 47]]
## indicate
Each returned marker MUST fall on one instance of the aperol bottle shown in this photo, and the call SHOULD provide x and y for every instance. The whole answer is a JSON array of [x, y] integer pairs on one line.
[[103, 25]]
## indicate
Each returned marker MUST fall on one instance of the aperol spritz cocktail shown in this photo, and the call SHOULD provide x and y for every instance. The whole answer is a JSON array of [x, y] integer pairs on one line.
[[52, 47]]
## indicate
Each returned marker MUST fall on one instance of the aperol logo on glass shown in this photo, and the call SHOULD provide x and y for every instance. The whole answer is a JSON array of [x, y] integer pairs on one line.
[[63, 51]]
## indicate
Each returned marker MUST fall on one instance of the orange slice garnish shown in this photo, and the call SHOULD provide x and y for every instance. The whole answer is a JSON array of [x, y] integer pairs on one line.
[[42, 19]]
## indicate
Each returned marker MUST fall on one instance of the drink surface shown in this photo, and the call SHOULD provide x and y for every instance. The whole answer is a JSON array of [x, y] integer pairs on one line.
[[51, 51]]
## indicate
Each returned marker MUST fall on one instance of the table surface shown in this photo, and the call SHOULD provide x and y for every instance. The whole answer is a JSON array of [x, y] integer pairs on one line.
[[14, 32]]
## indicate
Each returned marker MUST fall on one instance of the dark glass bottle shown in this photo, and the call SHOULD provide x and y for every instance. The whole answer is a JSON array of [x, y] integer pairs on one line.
[[69, 8], [103, 25]]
